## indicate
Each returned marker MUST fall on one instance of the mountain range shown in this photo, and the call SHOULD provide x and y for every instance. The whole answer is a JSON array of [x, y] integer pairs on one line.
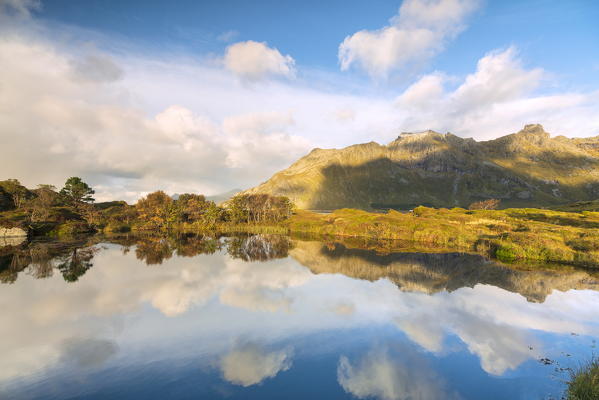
[[524, 169]]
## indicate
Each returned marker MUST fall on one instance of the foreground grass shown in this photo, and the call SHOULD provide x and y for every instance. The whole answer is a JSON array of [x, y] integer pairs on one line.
[[508, 235], [584, 383]]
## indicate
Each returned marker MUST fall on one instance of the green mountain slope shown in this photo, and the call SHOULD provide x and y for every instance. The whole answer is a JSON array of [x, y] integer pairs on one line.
[[528, 168]]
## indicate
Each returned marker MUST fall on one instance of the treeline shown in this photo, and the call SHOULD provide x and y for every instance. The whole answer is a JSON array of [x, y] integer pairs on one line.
[[72, 210], [160, 211]]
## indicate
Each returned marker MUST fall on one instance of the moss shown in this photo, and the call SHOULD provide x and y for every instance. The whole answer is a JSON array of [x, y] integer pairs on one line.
[[506, 253], [115, 227], [71, 228]]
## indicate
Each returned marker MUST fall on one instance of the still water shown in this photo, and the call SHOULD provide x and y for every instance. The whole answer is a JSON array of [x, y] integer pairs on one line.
[[268, 317]]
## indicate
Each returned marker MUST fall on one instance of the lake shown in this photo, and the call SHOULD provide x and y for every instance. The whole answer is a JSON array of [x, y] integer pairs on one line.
[[270, 317]]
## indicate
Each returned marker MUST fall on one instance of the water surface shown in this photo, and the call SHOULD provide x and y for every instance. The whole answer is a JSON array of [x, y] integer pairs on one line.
[[259, 316]]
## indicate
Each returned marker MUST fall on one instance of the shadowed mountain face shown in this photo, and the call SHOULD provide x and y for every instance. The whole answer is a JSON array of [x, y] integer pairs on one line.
[[431, 273], [528, 168]]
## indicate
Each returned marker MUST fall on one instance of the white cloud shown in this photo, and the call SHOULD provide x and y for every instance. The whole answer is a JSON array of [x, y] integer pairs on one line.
[[253, 61], [499, 77], [250, 364], [498, 98], [424, 93], [97, 67], [84, 125], [418, 32]]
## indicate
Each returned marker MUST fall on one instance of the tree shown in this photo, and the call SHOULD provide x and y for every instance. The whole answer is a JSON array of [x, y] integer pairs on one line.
[[213, 214], [490, 204], [46, 197], [16, 191], [77, 191], [191, 207], [259, 208], [156, 210]]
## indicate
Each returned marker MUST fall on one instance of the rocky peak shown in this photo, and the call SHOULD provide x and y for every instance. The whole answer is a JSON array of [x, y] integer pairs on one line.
[[534, 132], [533, 128], [418, 135]]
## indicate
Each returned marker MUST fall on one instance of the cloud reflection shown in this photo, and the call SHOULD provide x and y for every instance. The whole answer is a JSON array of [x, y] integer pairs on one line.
[[400, 374], [250, 364]]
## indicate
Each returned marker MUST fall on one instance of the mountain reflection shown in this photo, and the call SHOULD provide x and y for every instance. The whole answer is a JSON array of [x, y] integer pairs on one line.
[[434, 272]]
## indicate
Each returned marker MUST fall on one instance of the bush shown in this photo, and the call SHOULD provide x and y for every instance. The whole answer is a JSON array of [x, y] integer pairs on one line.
[[490, 204]]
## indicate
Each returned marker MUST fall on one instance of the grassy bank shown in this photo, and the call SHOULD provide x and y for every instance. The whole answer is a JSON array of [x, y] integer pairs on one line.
[[508, 235], [584, 383], [278, 229]]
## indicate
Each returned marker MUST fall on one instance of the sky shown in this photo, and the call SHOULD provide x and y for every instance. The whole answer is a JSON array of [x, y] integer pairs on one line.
[[210, 96]]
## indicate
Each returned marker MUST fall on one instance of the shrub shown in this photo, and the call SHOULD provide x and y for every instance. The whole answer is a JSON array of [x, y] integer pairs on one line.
[[490, 204]]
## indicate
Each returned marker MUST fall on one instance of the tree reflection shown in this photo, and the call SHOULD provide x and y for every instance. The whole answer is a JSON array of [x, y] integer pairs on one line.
[[74, 258], [40, 259], [258, 247], [154, 250], [76, 264]]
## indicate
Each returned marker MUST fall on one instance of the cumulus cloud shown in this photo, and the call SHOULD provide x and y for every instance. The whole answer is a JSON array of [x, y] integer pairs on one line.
[[97, 67], [499, 97], [418, 32], [80, 124], [253, 61], [250, 364]]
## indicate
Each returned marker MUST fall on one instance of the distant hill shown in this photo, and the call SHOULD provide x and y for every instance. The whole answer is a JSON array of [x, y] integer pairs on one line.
[[527, 168], [219, 198]]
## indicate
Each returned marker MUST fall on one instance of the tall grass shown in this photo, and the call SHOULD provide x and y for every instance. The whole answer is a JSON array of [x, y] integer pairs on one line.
[[584, 382]]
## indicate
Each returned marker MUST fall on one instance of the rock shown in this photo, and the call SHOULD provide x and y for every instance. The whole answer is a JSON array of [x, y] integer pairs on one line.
[[525, 194], [12, 241], [12, 232]]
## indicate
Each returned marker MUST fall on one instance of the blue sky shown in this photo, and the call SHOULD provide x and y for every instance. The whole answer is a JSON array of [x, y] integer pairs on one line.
[[214, 95], [561, 36]]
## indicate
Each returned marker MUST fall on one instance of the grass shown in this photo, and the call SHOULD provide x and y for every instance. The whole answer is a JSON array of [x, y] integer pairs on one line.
[[584, 382], [508, 235], [222, 228]]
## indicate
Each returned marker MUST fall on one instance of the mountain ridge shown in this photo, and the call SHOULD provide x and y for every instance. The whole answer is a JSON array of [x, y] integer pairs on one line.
[[526, 168]]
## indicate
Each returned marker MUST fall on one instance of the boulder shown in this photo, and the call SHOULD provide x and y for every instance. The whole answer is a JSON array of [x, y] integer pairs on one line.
[[12, 232]]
